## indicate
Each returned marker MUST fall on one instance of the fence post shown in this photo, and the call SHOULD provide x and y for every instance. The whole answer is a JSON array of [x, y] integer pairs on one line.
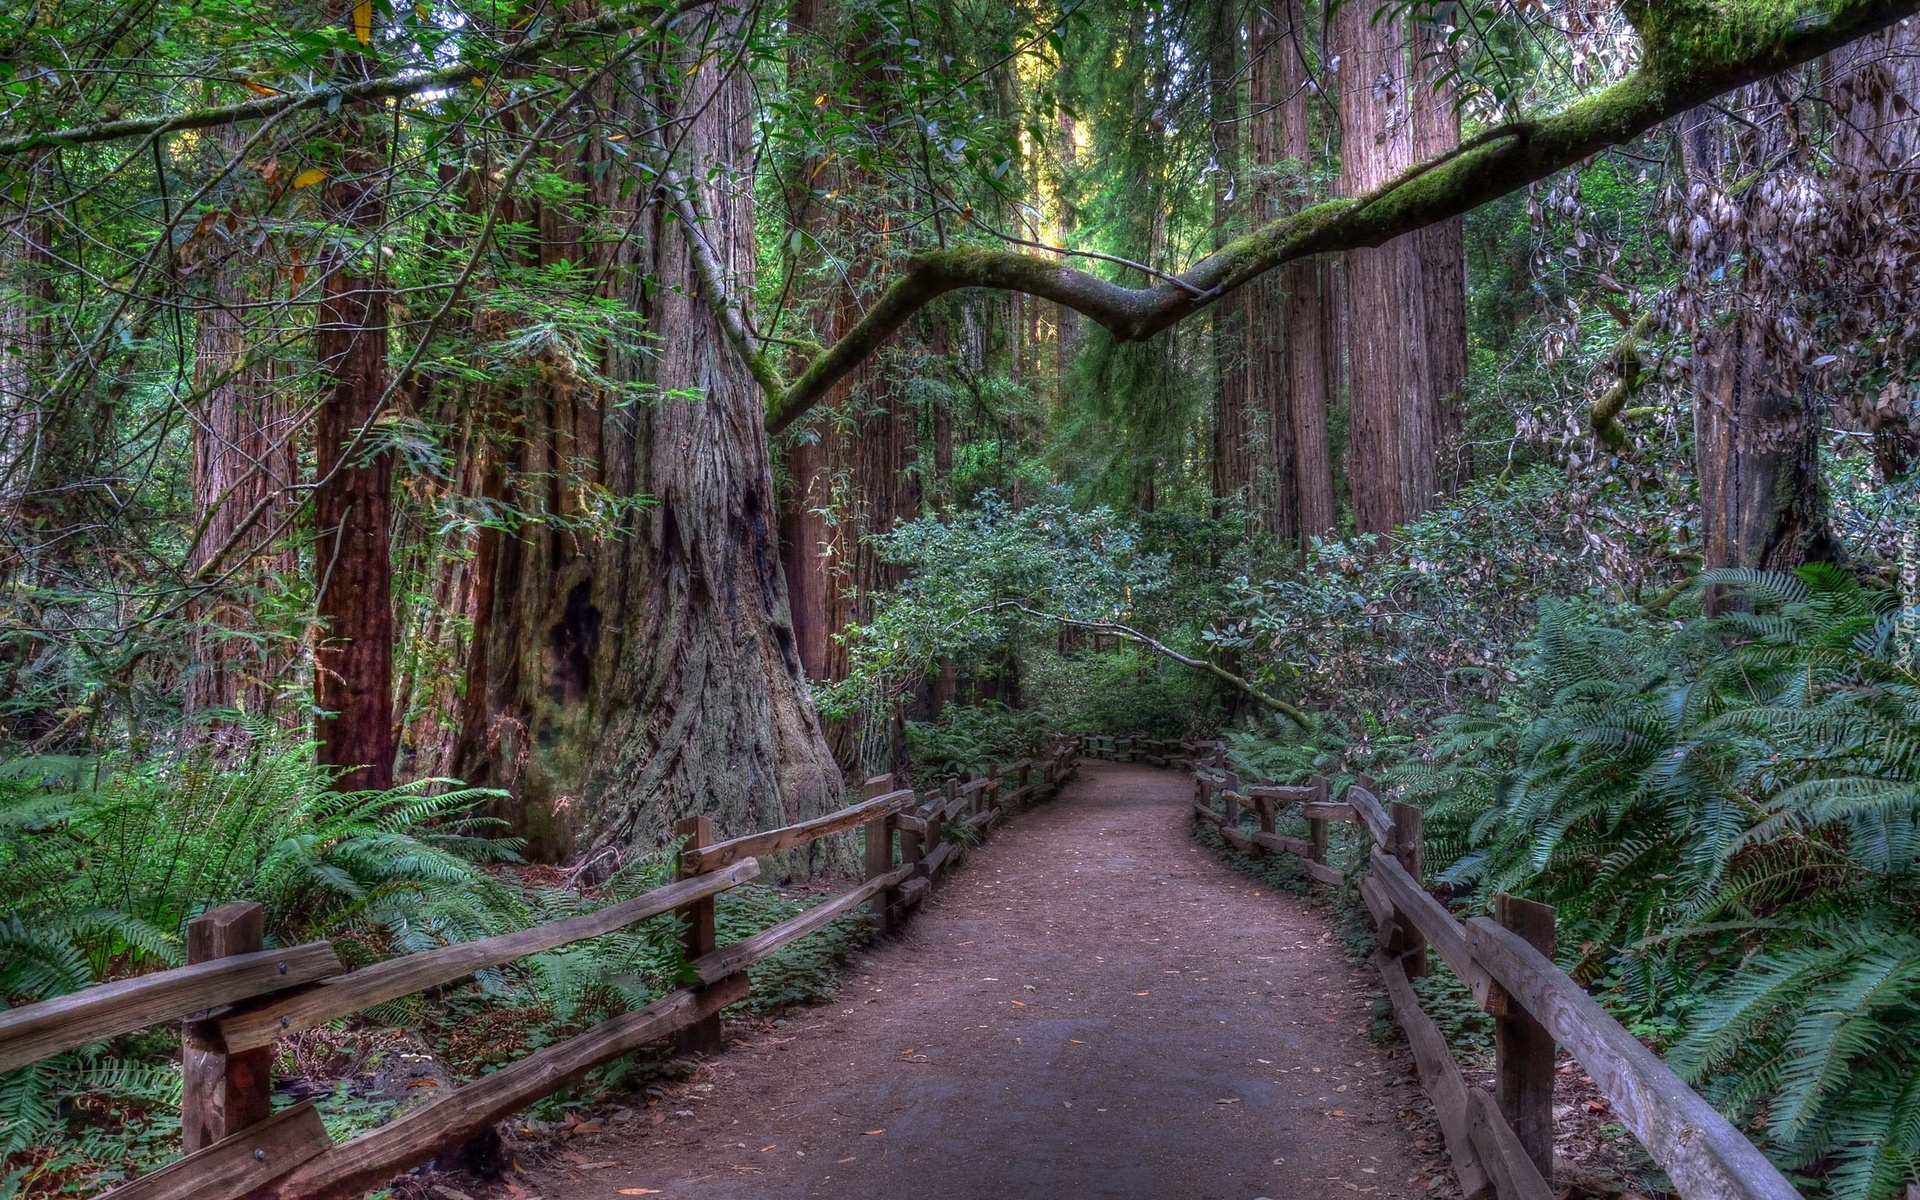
[[1409, 848], [1317, 826], [1522, 1048], [700, 939], [880, 852], [1227, 793], [935, 814], [222, 1093]]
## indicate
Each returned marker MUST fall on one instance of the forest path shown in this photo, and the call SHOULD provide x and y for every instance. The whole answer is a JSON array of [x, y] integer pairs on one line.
[[1094, 1005]]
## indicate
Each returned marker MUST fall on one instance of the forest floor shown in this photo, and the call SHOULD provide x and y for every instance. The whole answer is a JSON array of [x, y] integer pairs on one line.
[[1094, 1005]]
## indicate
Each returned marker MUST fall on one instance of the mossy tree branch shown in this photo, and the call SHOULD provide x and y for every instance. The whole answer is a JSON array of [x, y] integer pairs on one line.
[[1693, 50]]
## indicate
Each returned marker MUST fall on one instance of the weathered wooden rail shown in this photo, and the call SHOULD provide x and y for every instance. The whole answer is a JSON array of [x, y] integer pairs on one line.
[[235, 997], [1501, 1142]]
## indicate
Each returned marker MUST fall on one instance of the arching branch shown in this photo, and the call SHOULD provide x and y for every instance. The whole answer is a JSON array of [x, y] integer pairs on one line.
[[1289, 711], [1693, 50]]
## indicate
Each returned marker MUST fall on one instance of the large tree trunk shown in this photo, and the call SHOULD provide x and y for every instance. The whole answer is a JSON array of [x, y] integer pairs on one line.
[[706, 705], [1756, 435], [353, 664], [1397, 426]]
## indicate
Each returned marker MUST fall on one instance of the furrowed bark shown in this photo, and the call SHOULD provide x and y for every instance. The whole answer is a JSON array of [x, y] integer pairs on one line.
[[353, 663], [702, 705]]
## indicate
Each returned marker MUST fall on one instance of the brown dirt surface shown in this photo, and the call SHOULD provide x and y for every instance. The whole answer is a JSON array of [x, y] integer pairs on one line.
[[1092, 1005]]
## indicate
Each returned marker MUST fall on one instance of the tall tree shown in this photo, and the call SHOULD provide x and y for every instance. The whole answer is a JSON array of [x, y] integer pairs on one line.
[[1398, 328], [1442, 256], [1292, 356], [353, 562], [705, 705], [1392, 460], [244, 470], [1236, 427]]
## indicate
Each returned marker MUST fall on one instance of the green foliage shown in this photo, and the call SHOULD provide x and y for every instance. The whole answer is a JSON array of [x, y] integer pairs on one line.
[[1726, 815], [973, 737], [102, 864], [971, 571], [1394, 634], [1121, 689]]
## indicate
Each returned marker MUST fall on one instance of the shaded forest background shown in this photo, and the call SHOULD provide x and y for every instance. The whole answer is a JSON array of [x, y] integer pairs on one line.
[[401, 482]]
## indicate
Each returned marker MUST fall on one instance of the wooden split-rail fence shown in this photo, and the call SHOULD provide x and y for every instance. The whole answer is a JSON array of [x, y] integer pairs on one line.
[[1501, 1142], [236, 997]]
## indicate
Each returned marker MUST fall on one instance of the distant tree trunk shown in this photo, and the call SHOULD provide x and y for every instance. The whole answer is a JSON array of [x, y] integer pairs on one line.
[[243, 469], [706, 706], [26, 286], [1273, 500], [1233, 420], [1291, 352], [806, 541], [353, 565], [1756, 435], [1394, 448], [853, 480], [1442, 256]]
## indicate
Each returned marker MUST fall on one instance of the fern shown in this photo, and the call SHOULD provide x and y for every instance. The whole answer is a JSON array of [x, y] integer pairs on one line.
[[102, 865], [1727, 818]]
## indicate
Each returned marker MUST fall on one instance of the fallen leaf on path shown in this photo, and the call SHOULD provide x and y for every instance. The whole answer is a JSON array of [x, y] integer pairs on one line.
[[1143, 993], [1076, 1041], [1018, 1003], [639, 1191], [871, 1132], [849, 1158], [764, 1149]]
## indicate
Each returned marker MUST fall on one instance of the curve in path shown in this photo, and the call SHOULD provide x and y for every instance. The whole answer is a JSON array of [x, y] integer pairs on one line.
[[1093, 1005]]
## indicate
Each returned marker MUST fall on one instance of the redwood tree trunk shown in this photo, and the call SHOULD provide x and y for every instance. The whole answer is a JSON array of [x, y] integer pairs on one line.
[[1234, 425], [1397, 427], [353, 664], [1442, 255], [1291, 354], [243, 470], [706, 706]]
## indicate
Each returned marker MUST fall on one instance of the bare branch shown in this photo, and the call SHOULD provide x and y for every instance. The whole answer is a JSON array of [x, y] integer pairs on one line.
[[635, 17]]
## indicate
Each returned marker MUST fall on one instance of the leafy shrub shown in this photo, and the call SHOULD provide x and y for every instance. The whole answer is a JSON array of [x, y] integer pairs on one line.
[[1727, 817], [102, 865]]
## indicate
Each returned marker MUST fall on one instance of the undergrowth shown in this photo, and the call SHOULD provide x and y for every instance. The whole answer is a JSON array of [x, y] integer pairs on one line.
[[102, 864]]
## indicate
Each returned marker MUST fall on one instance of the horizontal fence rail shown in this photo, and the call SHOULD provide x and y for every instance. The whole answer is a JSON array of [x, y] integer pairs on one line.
[[236, 998], [1501, 1142]]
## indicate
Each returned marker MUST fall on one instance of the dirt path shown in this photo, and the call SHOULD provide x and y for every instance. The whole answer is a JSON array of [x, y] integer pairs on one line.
[[1092, 1006]]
